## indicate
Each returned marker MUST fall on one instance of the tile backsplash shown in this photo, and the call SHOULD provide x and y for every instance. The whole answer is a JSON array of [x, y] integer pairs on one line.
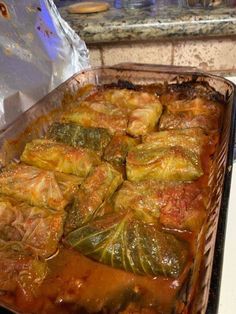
[[208, 54]]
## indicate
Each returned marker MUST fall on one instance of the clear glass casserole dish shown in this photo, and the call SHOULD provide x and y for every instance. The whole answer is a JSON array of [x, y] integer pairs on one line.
[[200, 292]]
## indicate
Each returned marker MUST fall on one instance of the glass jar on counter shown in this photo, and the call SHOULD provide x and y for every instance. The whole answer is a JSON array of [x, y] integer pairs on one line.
[[133, 4], [201, 3]]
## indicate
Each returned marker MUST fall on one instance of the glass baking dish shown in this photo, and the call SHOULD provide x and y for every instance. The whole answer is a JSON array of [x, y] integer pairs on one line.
[[201, 293]]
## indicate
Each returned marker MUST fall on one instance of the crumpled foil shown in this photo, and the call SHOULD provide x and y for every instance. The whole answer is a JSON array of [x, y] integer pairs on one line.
[[38, 51]]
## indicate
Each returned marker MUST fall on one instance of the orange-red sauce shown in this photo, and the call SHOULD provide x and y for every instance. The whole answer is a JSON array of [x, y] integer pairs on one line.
[[76, 284]]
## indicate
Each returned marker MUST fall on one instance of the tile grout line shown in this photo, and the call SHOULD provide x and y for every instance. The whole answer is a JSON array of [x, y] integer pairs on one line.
[[172, 53], [102, 55]]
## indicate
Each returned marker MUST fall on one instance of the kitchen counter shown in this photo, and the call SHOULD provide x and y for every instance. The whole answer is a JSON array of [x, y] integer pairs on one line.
[[157, 22], [159, 34]]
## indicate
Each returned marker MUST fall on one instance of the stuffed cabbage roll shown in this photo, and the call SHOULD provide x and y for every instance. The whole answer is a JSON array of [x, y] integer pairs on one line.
[[68, 184], [125, 242], [35, 186], [141, 198], [39, 229], [144, 109], [124, 98], [179, 206], [144, 119], [147, 161], [97, 115], [192, 139], [97, 187], [189, 91], [79, 136], [199, 112], [51, 155], [21, 270], [118, 148]]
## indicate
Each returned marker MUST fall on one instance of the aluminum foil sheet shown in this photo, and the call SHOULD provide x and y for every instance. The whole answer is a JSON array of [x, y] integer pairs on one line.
[[38, 51]]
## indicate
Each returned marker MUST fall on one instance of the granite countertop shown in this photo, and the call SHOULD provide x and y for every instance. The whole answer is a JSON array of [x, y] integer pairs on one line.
[[157, 22]]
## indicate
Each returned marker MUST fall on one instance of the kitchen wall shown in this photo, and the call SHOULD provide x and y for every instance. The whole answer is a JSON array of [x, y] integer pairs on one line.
[[217, 55]]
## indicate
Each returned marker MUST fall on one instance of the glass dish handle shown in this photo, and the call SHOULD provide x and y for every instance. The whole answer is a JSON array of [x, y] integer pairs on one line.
[[155, 67]]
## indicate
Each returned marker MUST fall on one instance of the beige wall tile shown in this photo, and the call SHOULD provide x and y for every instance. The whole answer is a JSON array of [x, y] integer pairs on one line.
[[208, 54], [95, 56], [156, 52]]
